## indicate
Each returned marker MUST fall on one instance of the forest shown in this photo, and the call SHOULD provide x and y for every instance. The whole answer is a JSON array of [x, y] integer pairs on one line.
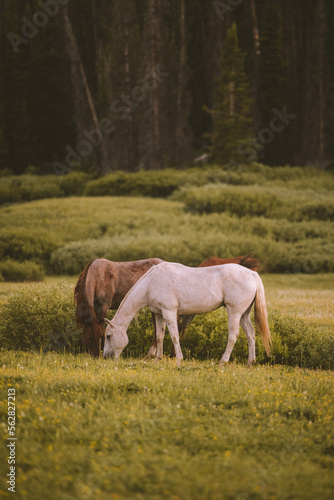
[[105, 85]]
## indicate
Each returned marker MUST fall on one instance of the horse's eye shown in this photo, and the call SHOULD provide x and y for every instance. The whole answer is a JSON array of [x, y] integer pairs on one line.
[[108, 337]]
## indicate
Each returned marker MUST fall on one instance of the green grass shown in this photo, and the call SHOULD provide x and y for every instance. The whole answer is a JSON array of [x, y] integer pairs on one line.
[[307, 297], [73, 219], [131, 430], [282, 215], [64, 234]]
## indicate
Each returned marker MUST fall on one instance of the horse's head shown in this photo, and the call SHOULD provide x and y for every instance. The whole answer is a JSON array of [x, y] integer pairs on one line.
[[115, 339]]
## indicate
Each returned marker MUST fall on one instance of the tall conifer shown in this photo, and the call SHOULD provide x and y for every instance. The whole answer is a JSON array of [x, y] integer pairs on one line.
[[231, 116]]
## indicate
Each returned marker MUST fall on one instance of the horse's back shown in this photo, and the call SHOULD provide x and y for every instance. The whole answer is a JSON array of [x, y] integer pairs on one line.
[[199, 290]]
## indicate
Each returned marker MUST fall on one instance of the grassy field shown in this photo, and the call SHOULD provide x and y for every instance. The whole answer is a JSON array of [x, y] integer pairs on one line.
[[282, 215], [94, 429], [62, 235], [91, 429], [100, 429]]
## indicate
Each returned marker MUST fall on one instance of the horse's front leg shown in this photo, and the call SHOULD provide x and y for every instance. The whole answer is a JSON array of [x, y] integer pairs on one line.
[[171, 321], [233, 332]]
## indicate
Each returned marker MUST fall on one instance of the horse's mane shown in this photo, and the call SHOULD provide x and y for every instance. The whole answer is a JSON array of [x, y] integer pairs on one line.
[[83, 307], [85, 313], [80, 296], [145, 275]]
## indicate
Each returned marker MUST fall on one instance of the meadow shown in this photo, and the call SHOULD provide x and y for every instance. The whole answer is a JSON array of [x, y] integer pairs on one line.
[[129, 429], [282, 215], [90, 429]]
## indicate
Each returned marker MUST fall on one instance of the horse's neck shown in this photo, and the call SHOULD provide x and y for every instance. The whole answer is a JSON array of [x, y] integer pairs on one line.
[[134, 300]]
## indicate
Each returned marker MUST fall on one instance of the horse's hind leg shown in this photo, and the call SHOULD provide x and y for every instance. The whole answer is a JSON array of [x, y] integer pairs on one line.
[[233, 332], [174, 334], [160, 326], [250, 334], [153, 349]]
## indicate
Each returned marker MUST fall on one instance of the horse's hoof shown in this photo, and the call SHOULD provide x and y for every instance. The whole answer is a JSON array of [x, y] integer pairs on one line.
[[156, 360]]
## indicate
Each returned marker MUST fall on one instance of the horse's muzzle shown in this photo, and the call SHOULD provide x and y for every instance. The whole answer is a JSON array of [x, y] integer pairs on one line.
[[109, 355]]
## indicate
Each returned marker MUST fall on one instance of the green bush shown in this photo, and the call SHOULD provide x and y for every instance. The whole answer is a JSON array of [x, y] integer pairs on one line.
[[41, 317], [28, 187], [143, 183], [294, 343], [186, 248], [73, 184], [236, 200], [22, 244], [11, 270], [254, 201], [191, 247], [316, 210], [161, 183], [64, 234]]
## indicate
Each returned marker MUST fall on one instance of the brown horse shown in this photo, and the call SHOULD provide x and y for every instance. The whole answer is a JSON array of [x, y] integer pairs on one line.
[[101, 286], [242, 260]]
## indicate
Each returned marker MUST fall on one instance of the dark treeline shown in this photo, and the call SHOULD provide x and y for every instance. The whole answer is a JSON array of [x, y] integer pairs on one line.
[[126, 82]]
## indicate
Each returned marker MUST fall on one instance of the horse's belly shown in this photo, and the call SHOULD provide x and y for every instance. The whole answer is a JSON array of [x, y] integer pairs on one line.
[[199, 305]]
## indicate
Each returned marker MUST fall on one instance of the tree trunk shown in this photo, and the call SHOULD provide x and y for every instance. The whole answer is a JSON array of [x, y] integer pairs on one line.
[[321, 76], [153, 155], [255, 29], [85, 114], [180, 104]]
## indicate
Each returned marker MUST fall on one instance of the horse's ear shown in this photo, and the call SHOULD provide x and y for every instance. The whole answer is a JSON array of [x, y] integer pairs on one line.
[[107, 321]]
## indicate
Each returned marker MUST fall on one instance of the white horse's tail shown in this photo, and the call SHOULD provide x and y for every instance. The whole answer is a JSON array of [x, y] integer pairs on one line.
[[261, 316]]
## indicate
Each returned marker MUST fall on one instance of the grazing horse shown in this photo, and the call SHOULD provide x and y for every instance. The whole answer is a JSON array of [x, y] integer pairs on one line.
[[101, 286], [169, 288], [242, 260]]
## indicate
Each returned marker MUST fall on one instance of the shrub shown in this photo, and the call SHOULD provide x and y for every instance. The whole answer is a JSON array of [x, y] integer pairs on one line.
[[143, 183], [160, 183], [186, 248], [294, 343], [316, 210], [11, 270], [195, 242], [41, 318], [252, 201], [28, 187], [74, 184], [22, 244], [77, 230], [241, 201]]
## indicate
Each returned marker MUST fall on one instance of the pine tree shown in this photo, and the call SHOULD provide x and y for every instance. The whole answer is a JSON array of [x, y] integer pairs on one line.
[[231, 118]]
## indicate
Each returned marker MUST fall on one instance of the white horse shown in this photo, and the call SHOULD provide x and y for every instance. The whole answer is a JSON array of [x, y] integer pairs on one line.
[[169, 289]]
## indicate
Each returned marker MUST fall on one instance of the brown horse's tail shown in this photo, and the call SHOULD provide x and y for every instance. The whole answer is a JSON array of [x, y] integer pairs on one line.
[[261, 316], [183, 322], [85, 313]]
